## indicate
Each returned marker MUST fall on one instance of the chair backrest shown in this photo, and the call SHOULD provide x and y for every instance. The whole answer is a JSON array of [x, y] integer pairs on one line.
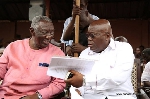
[[136, 75], [136, 80]]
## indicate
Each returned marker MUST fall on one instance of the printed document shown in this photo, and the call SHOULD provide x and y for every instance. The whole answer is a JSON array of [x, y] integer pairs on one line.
[[59, 66]]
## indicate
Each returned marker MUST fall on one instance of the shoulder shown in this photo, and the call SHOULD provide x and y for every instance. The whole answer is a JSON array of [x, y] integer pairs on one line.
[[85, 52], [68, 20], [147, 65], [18, 43], [124, 50], [94, 17], [123, 46], [15, 47]]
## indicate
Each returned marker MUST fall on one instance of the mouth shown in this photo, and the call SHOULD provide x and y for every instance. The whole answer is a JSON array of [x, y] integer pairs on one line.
[[89, 45], [46, 42]]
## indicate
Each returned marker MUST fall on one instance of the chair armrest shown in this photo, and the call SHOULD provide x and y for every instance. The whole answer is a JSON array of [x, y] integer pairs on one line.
[[143, 94]]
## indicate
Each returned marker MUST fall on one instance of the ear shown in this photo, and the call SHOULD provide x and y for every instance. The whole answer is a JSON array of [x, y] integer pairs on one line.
[[32, 31], [108, 36]]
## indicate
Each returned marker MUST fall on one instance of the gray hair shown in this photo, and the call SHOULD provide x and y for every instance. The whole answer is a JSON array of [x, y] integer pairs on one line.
[[121, 39], [37, 19]]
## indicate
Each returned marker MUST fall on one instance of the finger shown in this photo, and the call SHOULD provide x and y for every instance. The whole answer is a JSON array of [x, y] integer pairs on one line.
[[76, 6], [73, 71], [68, 81]]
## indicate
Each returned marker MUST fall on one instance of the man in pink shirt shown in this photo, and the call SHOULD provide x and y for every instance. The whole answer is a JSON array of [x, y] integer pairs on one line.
[[24, 64]]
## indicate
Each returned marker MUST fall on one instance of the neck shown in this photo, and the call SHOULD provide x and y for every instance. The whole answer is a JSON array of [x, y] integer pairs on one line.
[[32, 44]]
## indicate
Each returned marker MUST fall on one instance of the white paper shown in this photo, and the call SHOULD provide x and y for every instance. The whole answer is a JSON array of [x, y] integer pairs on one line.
[[59, 66]]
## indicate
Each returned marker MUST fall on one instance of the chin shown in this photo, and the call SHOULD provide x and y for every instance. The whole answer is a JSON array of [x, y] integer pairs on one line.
[[91, 49], [44, 46], [94, 50]]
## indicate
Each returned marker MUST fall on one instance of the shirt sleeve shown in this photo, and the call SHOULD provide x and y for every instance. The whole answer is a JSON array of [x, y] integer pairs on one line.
[[146, 73], [56, 86], [94, 17], [65, 26]]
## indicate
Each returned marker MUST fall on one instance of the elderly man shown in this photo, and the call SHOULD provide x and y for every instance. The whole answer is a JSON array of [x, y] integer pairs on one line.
[[24, 64], [111, 74]]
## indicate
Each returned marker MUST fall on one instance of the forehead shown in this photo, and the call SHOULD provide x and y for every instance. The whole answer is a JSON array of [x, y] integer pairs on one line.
[[46, 25], [97, 28]]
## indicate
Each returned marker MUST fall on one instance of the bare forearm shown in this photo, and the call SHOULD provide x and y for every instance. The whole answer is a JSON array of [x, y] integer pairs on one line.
[[68, 32]]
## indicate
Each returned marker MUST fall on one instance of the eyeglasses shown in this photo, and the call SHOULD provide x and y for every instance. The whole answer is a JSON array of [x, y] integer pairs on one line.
[[92, 35]]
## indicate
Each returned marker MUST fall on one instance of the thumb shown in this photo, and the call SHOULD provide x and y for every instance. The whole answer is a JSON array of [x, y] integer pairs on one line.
[[68, 81]]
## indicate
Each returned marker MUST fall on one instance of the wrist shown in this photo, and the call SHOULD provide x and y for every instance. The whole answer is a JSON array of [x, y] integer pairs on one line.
[[39, 95], [84, 81]]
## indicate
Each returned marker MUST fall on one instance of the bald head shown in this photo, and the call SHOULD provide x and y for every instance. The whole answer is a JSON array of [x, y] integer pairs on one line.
[[99, 34], [103, 25]]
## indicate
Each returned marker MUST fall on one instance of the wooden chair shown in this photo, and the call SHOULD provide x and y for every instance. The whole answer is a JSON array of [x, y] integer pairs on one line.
[[136, 76], [136, 80]]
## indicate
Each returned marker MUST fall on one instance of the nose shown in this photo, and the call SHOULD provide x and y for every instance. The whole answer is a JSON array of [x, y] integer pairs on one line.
[[49, 36], [89, 38]]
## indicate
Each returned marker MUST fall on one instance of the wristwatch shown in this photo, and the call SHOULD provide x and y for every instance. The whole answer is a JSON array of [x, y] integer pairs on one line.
[[39, 95], [84, 81]]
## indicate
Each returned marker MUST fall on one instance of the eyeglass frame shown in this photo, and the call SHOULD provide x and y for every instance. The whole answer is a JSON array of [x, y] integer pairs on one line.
[[93, 35], [47, 33]]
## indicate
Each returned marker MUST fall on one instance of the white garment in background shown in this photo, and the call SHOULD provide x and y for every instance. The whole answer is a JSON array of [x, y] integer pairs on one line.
[[146, 73], [111, 75]]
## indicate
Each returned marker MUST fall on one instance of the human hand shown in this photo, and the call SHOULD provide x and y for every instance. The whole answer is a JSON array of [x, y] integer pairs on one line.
[[77, 48], [34, 96], [69, 51], [76, 11], [76, 80]]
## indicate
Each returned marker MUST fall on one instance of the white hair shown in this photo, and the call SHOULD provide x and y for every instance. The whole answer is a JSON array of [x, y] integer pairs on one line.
[[37, 19]]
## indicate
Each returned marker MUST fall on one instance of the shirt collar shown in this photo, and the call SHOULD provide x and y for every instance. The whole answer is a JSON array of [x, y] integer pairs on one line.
[[111, 45]]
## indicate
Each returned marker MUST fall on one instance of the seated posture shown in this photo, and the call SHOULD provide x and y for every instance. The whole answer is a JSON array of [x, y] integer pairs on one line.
[[110, 77], [121, 39], [146, 73], [85, 18], [24, 64]]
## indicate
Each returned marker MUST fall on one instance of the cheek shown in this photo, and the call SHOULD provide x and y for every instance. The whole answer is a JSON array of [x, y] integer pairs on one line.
[[39, 40], [99, 43]]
